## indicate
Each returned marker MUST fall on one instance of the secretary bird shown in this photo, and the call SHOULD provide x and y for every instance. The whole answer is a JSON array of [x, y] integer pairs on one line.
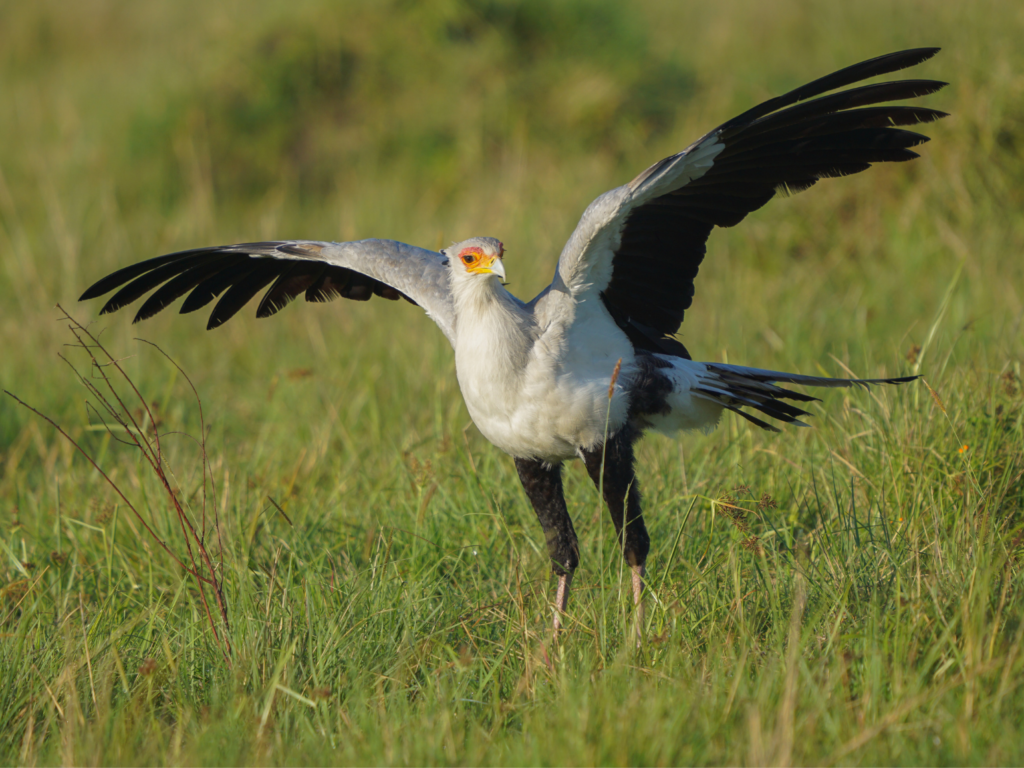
[[536, 375]]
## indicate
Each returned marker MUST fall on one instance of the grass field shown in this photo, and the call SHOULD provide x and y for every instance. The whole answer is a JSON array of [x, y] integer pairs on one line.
[[848, 594]]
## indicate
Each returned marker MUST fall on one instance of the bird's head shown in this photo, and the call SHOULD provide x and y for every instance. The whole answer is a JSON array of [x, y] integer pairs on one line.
[[477, 258]]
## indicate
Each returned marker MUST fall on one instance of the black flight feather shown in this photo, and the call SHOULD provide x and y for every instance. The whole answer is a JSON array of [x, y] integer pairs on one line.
[[784, 145]]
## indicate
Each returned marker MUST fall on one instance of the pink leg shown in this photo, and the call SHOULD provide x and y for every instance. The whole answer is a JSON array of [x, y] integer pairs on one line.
[[638, 597], [562, 598]]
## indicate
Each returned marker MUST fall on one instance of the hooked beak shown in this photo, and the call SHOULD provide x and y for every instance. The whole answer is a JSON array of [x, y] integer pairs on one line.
[[498, 268], [491, 267]]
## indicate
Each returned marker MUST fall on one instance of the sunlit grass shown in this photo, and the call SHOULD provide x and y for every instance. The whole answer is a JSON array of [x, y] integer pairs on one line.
[[867, 605]]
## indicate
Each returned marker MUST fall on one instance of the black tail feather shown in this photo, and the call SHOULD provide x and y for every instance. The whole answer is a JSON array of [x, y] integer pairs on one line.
[[735, 387]]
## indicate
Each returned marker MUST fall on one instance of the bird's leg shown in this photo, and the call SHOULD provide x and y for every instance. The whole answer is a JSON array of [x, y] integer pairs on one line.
[[638, 599], [562, 598], [543, 485], [622, 496]]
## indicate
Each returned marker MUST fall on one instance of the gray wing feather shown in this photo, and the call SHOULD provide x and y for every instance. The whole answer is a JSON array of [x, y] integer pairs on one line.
[[419, 274], [586, 262], [320, 270]]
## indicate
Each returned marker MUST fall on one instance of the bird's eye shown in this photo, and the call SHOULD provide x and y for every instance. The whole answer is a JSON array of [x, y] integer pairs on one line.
[[469, 258]]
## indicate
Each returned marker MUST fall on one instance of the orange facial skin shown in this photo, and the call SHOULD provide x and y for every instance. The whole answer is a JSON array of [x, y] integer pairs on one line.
[[476, 261]]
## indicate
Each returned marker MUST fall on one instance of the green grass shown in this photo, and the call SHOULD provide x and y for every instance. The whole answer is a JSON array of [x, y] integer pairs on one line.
[[865, 606]]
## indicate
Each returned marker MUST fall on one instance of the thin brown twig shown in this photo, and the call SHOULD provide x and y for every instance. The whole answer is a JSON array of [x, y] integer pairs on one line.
[[152, 451]]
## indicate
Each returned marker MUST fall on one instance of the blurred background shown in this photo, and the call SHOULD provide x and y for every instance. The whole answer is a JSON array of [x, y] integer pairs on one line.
[[133, 129]]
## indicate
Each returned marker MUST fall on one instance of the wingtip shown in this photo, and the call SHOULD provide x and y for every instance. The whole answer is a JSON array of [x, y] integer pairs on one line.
[[216, 322], [913, 56], [91, 292], [110, 307]]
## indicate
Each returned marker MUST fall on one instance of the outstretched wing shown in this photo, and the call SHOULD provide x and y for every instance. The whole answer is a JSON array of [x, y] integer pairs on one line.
[[356, 270], [639, 246]]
